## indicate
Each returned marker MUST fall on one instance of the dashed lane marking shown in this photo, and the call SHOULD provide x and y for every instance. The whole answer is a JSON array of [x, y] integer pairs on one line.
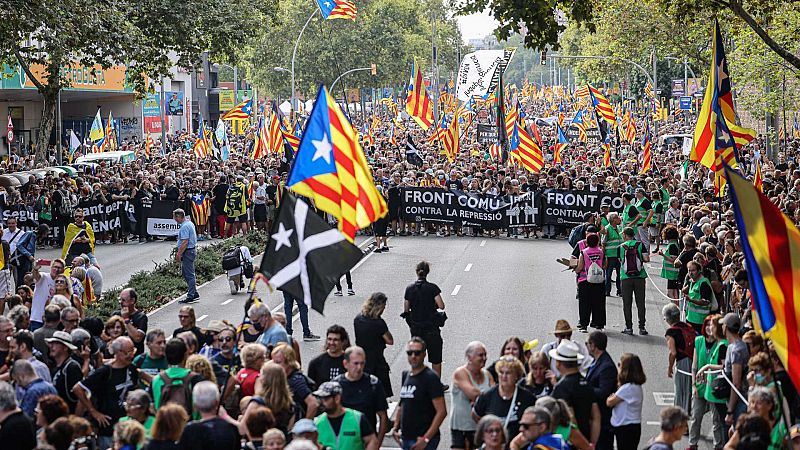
[[483, 242], [226, 302], [201, 318], [456, 289], [664, 398], [467, 269]]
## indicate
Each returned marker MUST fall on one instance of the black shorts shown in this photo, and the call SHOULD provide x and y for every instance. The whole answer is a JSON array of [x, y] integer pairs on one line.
[[433, 344], [380, 226], [673, 284], [234, 219], [462, 439], [260, 213]]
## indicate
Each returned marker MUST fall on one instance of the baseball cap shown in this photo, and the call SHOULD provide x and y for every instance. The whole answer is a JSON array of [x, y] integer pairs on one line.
[[304, 426], [732, 321], [328, 389]]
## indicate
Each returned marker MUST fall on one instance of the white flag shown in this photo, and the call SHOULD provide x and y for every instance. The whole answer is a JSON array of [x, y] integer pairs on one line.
[[476, 75], [74, 142]]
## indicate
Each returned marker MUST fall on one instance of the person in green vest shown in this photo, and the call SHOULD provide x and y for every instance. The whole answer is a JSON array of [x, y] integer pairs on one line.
[[657, 219], [761, 401], [630, 213], [341, 428], [669, 272], [645, 207], [611, 242], [137, 407], [699, 296], [605, 205], [708, 348], [633, 277]]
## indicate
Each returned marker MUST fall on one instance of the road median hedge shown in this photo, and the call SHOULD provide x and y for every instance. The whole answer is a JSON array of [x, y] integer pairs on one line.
[[165, 282]]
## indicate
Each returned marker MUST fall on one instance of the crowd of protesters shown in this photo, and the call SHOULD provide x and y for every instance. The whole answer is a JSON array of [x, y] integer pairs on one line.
[[72, 381]]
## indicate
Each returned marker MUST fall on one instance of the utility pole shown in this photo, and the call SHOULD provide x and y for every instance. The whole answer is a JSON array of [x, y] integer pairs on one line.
[[434, 67], [655, 87], [161, 108], [236, 86]]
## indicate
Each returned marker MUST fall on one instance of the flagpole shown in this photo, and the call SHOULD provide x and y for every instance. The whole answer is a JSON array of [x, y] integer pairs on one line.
[[294, 56]]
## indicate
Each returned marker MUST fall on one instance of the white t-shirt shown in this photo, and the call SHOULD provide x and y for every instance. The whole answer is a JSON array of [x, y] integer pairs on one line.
[[12, 243], [42, 291], [629, 410]]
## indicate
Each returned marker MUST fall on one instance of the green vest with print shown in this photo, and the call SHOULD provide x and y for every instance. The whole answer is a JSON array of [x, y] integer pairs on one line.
[[613, 240], [668, 269], [709, 357], [695, 313], [349, 437]]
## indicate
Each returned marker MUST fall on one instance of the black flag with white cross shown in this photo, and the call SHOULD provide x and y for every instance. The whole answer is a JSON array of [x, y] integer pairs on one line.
[[305, 256]]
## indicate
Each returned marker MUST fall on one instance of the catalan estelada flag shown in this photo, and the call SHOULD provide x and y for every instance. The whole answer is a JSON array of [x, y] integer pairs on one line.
[[578, 123], [771, 245], [451, 139], [275, 141], [330, 167], [758, 177], [716, 135], [606, 145], [337, 9], [201, 143], [601, 105], [521, 145], [561, 144], [240, 111], [647, 153], [418, 104], [201, 206], [261, 145], [290, 139]]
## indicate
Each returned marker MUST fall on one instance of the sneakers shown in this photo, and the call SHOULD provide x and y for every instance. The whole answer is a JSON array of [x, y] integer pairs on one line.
[[190, 300], [351, 292], [385, 249], [643, 332], [583, 329], [627, 331], [310, 337], [338, 293], [379, 250]]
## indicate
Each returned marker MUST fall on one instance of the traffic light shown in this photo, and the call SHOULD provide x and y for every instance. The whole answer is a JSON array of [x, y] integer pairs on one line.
[[374, 70], [544, 57]]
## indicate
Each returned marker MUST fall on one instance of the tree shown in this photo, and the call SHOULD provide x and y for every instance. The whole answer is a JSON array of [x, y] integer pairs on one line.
[[147, 36], [388, 33]]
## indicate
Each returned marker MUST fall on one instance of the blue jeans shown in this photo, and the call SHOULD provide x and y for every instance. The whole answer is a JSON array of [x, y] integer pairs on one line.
[[187, 269], [288, 303], [613, 263], [408, 443]]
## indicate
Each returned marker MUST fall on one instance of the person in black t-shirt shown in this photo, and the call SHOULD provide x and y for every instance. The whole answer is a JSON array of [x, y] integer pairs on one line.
[[218, 217], [422, 409], [362, 391], [210, 432], [68, 371], [330, 364], [109, 384], [689, 250], [575, 390], [135, 320], [373, 335], [419, 309], [16, 429], [506, 399]]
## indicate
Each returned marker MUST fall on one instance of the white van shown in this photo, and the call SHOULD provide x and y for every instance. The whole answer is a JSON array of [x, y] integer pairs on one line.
[[112, 158]]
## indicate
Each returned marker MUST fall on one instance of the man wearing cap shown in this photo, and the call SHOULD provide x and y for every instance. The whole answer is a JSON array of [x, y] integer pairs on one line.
[[575, 390], [563, 332], [342, 428], [306, 429], [68, 371]]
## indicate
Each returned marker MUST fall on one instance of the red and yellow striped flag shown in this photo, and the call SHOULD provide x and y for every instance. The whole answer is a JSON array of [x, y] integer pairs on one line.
[[418, 104]]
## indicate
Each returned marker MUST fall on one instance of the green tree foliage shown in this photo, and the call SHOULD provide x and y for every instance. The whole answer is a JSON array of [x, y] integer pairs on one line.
[[148, 36], [388, 33]]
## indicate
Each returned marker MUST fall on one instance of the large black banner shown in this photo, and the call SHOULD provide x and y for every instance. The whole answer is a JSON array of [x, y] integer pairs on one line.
[[102, 217], [159, 218], [487, 134], [550, 207], [461, 208], [562, 207]]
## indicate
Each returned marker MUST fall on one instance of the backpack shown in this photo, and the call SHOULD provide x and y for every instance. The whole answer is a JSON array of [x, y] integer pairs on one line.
[[633, 263], [65, 206], [576, 235], [594, 273], [232, 259], [688, 339], [177, 390]]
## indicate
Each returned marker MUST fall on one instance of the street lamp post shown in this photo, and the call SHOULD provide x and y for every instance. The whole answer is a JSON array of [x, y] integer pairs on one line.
[[294, 55], [360, 69]]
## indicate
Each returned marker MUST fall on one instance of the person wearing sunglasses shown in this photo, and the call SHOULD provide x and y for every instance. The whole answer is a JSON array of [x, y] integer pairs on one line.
[[535, 431], [422, 408]]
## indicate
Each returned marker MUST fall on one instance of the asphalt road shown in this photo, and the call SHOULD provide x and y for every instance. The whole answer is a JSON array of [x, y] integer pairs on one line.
[[493, 288]]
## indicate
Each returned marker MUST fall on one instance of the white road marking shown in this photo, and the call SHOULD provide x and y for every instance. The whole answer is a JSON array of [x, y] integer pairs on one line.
[[483, 242], [664, 398], [467, 269], [654, 422], [226, 302], [392, 409], [456, 289], [201, 318]]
